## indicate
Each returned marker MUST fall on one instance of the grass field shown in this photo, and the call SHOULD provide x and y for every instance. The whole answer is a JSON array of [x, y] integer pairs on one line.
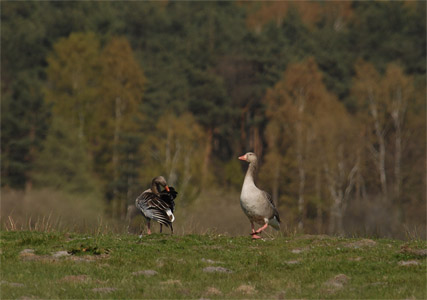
[[75, 266]]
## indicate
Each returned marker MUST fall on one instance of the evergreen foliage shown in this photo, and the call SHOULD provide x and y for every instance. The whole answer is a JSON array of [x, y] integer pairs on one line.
[[64, 164]]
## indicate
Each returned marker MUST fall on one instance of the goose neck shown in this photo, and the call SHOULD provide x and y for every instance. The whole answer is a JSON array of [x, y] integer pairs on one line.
[[250, 173], [154, 188]]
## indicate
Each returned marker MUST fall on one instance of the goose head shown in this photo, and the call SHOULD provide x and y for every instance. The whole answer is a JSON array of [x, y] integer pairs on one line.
[[158, 182], [250, 157]]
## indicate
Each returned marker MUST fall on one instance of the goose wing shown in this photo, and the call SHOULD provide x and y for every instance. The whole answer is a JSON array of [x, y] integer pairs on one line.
[[270, 199], [154, 207]]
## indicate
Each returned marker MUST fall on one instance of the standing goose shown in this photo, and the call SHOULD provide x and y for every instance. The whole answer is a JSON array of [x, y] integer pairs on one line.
[[257, 204], [157, 205]]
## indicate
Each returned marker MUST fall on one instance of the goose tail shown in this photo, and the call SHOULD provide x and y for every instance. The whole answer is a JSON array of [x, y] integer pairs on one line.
[[170, 215], [273, 222]]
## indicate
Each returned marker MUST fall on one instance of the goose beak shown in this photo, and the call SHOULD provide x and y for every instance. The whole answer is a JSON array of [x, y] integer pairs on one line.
[[167, 188], [243, 157]]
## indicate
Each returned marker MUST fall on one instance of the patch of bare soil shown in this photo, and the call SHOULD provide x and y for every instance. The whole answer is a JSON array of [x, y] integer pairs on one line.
[[171, 281], [75, 278], [245, 289], [281, 295], [364, 243], [60, 254], [145, 272], [337, 283], [28, 254], [409, 263], [357, 258], [210, 261], [213, 291], [405, 249], [88, 258], [216, 270], [300, 250]]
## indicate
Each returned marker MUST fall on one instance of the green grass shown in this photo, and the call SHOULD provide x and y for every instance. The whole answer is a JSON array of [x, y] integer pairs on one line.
[[290, 267]]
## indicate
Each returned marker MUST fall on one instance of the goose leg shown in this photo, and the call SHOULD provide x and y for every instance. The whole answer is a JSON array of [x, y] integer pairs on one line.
[[261, 229], [148, 227], [254, 233]]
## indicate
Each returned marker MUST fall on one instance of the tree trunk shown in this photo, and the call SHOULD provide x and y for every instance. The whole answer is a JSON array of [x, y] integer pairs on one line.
[[301, 174], [31, 153], [397, 162], [300, 158], [81, 126], [257, 142], [380, 156], [275, 186], [117, 128], [243, 140], [397, 113], [319, 217], [207, 157], [172, 178]]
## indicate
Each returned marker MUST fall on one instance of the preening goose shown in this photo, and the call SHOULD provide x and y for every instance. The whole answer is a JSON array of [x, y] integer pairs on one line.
[[257, 204], [158, 205]]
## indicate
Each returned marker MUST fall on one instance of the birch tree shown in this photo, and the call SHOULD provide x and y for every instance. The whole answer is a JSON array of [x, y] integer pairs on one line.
[[292, 102], [336, 139], [175, 149], [397, 91], [367, 90]]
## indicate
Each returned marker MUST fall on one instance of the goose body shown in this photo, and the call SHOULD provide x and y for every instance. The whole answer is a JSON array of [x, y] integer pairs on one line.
[[256, 203], [157, 206]]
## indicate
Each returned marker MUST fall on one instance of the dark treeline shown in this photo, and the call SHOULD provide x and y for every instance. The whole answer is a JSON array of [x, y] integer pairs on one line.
[[103, 96]]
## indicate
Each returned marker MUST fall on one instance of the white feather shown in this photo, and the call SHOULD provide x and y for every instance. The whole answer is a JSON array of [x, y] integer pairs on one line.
[[170, 215]]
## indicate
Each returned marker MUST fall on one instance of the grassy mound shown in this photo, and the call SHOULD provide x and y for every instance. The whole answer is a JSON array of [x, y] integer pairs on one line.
[[62, 265]]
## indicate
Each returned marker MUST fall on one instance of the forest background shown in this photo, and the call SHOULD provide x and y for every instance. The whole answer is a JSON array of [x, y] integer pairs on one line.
[[97, 98]]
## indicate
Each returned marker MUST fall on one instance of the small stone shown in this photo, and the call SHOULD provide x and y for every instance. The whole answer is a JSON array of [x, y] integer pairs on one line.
[[292, 262], [60, 254], [210, 261]]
